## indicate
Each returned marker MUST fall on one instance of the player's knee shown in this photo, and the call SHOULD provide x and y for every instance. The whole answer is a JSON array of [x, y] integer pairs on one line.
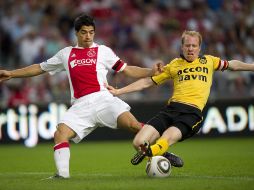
[[63, 134]]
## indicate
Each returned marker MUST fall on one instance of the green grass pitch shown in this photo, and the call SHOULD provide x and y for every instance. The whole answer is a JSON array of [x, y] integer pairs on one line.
[[214, 163]]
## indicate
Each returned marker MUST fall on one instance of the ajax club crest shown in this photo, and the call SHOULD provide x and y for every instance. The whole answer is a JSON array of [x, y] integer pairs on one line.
[[91, 53]]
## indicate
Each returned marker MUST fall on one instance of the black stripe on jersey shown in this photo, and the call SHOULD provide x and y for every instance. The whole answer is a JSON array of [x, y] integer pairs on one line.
[[153, 81], [117, 66], [219, 65]]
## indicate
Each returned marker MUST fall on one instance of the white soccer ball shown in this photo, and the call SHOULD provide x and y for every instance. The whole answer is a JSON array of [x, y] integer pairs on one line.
[[158, 166]]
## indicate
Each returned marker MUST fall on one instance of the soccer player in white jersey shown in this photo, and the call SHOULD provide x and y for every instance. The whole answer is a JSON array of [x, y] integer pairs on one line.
[[87, 65]]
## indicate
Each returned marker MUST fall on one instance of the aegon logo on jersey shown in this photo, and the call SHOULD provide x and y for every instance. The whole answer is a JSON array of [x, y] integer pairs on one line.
[[82, 62], [191, 73]]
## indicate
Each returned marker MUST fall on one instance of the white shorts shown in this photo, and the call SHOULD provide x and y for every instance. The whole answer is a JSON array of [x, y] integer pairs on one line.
[[94, 110]]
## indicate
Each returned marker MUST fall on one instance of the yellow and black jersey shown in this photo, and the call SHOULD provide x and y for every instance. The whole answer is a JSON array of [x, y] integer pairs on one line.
[[192, 80]]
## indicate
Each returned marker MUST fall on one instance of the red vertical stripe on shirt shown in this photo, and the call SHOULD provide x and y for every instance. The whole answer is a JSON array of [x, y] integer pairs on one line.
[[82, 66]]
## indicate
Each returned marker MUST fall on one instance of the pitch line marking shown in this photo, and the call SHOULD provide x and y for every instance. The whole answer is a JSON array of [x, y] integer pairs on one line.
[[51, 173], [246, 178]]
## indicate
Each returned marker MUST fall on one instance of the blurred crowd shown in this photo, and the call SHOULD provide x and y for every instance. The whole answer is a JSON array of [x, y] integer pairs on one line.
[[139, 31]]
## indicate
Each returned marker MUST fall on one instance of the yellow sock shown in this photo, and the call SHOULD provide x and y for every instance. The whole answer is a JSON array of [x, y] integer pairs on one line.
[[160, 147]]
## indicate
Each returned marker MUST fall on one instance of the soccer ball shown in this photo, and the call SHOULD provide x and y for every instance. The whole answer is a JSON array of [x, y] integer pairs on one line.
[[158, 166]]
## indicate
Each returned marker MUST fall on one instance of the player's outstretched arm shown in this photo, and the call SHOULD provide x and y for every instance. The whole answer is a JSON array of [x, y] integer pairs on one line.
[[235, 65], [4, 75], [136, 86], [32, 70], [139, 72]]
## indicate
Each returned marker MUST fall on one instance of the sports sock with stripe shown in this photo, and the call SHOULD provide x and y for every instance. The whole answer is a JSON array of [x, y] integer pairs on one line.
[[62, 158]]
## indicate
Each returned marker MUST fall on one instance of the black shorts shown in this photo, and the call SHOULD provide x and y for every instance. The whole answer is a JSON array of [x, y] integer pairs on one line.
[[186, 118]]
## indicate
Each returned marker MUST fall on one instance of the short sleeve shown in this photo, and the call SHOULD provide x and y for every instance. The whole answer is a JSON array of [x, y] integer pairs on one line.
[[112, 61], [54, 64], [219, 64]]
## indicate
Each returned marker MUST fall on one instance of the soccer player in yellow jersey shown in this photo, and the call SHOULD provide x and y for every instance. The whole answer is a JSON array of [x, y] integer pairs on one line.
[[192, 75]]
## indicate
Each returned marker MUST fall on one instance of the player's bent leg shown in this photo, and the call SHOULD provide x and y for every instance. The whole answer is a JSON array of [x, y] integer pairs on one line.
[[169, 137], [148, 134], [127, 121], [63, 133], [173, 134], [62, 150]]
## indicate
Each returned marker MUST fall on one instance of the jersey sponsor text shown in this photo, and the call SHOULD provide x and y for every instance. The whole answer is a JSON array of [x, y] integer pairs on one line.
[[186, 74], [82, 62]]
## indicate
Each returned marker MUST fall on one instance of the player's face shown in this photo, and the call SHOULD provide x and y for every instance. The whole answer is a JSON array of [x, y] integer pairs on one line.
[[85, 36], [190, 47]]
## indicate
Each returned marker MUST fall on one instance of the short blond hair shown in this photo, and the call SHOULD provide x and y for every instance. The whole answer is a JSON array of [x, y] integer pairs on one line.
[[192, 33]]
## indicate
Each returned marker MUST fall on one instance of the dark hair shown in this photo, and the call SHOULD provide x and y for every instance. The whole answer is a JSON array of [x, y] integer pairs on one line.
[[83, 20]]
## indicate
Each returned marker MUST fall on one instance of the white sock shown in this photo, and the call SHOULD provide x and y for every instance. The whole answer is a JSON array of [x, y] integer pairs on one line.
[[62, 159]]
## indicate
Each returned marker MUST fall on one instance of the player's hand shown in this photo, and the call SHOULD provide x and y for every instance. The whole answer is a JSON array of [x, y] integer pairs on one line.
[[4, 75], [112, 90], [158, 67]]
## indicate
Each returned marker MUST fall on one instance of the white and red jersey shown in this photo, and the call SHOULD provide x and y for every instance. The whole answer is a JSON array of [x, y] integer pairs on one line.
[[86, 68]]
